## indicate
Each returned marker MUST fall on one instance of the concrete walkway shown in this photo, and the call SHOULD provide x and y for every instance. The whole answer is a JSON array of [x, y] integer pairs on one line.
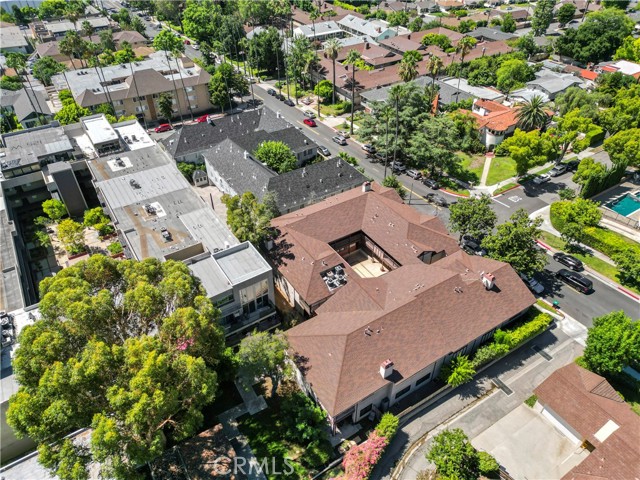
[[485, 170]]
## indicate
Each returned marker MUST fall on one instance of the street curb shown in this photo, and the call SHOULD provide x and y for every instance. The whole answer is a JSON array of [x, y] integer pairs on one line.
[[517, 185], [459, 195]]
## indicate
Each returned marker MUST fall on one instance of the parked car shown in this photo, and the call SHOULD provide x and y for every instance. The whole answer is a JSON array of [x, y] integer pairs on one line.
[[415, 174], [280, 97], [540, 179], [436, 199], [431, 183], [202, 119], [572, 165], [309, 122], [369, 148], [398, 167], [309, 114], [572, 262], [343, 133], [324, 151], [289, 102], [576, 280], [271, 92], [164, 127], [471, 245], [187, 42], [534, 285], [558, 170], [340, 140], [306, 101]]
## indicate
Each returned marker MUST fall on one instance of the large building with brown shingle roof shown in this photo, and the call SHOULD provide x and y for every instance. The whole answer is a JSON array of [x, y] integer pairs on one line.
[[385, 282], [586, 408]]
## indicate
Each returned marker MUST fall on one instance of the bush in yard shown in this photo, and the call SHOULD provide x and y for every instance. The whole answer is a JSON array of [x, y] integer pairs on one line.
[[388, 426], [489, 467], [316, 454], [460, 371], [628, 263], [454, 456], [488, 353], [608, 242], [115, 248], [524, 332], [360, 460], [302, 419]]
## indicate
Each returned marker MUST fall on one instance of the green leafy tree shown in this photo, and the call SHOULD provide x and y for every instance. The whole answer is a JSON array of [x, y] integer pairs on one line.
[[224, 84], [624, 146], [578, 98], [466, 26], [472, 216], [248, 219], [625, 112], [437, 39], [514, 242], [11, 83], [95, 216], [46, 67], [169, 43], [416, 24], [71, 234], [460, 371], [566, 13], [532, 114], [454, 456], [628, 263], [72, 46], [597, 38], [392, 182], [528, 149], [302, 419], [51, 9], [513, 74], [54, 209], [574, 216], [265, 51], [489, 467], [508, 24], [621, 4], [433, 145], [106, 40], [264, 354], [126, 348], [612, 343], [408, 68], [353, 57], [125, 54], [629, 50], [399, 18], [165, 105], [465, 45], [527, 45], [388, 426], [200, 19], [277, 155], [187, 169], [542, 17], [71, 113], [324, 89]]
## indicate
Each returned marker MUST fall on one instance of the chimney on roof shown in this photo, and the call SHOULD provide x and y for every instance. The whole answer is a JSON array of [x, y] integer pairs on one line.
[[366, 187], [386, 368], [409, 37], [366, 45], [488, 280]]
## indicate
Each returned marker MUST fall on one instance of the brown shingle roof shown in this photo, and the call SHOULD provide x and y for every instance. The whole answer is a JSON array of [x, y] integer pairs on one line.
[[586, 401], [416, 308]]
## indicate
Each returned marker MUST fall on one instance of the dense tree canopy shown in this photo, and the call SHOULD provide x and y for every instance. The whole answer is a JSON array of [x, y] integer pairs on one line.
[[54, 209], [248, 219], [46, 67], [264, 354], [277, 155], [454, 456], [612, 343], [265, 51], [124, 347], [542, 16], [472, 216]]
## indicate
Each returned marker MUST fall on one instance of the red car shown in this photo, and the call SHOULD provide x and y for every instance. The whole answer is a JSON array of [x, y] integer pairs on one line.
[[202, 119], [187, 42], [165, 127], [309, 122]]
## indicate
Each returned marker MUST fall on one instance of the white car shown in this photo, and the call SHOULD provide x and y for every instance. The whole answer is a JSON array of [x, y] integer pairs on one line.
[[540, 179]]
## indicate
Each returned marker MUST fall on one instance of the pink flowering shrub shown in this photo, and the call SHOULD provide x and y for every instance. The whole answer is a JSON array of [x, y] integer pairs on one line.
[[360, 460]]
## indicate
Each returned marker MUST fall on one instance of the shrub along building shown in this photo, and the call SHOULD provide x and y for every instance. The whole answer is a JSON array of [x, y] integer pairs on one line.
[[393, 298]]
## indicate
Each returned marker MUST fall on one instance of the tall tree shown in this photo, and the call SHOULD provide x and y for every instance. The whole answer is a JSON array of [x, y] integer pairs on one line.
[[265, 51], [353, 57], [54, 209], [332, 49], [508, 24], [434, 66], [277, 155], [169, 43], [165, 105], [125, 348], [472, 216], [87, 30], [264, 354], [72, 46], [454, 456], [248, 219], [465, 45], [532, 114], [612, 343], [514, 242], [566, 13], [542, 17], [408, 68], [624, 146], [45, 68], [433, 145]]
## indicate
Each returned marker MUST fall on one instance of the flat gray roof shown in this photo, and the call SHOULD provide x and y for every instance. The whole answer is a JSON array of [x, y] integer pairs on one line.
[[212, 277], [27, 146], [241, 263], [99, 129], [206, 227], [13, 37], [10, 285]]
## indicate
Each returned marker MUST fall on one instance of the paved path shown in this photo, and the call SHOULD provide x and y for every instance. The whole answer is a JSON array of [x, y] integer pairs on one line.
[[485, 171]]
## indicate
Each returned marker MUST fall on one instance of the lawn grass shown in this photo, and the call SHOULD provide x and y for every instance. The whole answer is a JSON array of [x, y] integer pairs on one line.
[[544, 305], [504, 188], [531, 401], [472, 164], [501, 169], [603, 268], [452, 186]]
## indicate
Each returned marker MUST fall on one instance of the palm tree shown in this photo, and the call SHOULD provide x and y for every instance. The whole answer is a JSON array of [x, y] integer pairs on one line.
[[408, 69], [167, 42], [434, 66], [87, 30], [353, 56], [313, 16], [73, 11], [395, 93], [532, 114], [332, 48], [464, 46], [72, 46], [18, 62]]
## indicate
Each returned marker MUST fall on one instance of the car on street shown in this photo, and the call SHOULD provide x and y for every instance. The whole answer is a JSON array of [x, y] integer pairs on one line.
[[309, 114], [572, 165], [415, 174], [271, 92], [534, 285], [540, 179], [280, 97], [202, 119], [558, 170], [436, 199], [576, 280], [572, 262], [196, 46], [324, 151], [343, 133], [164, 127], [310, 122], [289, 102], [340, 140], [470, 244], [398, 168], [431, 183], [306, 101], [187, 42], [369, 148]]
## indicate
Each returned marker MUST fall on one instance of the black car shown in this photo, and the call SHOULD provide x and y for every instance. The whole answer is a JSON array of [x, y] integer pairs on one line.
[[271, 92], [289, 102], [572, 165], [576, 280], [572, 262], [431, 183], [472, 246], [436, 199], [280, 97]]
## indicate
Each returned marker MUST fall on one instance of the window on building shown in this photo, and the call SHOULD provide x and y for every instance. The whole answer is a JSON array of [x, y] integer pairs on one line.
[[118, 102], [224, 301], [255, 296], [403, 392], [188, 89], [421, 380], [365, 410]]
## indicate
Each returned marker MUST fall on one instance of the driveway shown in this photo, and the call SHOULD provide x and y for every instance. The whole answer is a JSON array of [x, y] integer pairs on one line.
[[528, 446]]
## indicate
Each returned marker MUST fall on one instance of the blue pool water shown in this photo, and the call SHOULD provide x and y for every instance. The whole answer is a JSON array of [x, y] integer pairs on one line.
[[626, 205]]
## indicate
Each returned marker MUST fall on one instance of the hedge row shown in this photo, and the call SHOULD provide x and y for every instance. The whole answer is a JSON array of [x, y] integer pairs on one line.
[[608, 242]]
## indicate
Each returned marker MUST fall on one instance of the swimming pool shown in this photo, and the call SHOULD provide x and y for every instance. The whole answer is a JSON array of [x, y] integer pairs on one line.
[[626, 205]]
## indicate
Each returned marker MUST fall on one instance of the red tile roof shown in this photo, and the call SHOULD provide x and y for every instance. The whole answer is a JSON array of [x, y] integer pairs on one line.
[[499, 117], [415, 311], [588, 74], [587, 402]]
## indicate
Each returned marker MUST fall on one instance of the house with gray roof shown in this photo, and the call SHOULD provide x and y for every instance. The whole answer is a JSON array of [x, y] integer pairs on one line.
[[30, 106], [13, 39], [45, 30], [320, 31], [447, 93], [376, 29], [487, 34], [553, 84]]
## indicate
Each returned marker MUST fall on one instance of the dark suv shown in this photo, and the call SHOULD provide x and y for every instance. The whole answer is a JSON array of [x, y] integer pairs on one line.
[[576, 280], [472, 246], [572, 262]]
